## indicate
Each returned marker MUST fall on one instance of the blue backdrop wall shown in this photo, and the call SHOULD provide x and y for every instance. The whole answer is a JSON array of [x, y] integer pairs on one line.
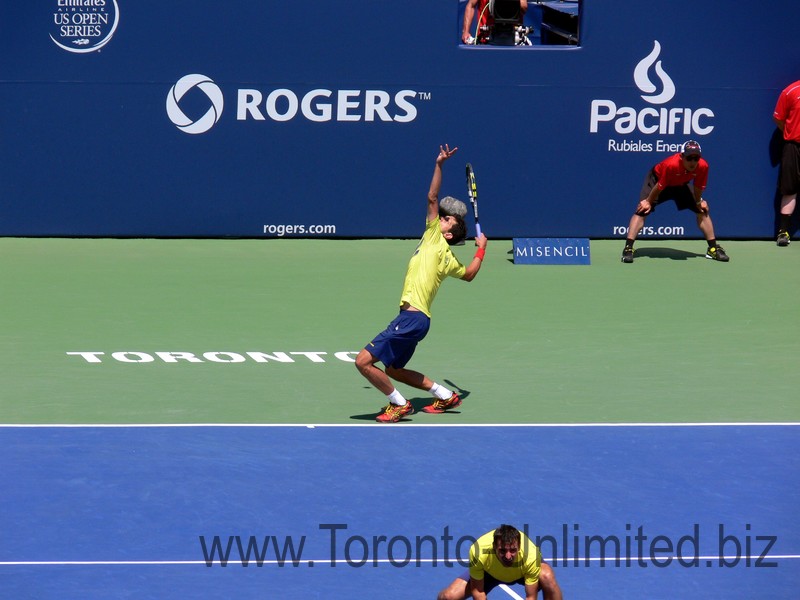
[[262, 118]]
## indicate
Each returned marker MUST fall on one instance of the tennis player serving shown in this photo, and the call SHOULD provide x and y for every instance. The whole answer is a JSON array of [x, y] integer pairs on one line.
[[431, 263]]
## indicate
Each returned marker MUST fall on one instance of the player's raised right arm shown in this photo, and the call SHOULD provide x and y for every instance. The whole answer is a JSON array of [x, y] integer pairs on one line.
[[477, 260]]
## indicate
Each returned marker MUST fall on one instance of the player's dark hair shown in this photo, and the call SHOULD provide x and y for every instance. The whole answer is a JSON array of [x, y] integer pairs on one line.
[[505, 535], [458, 231]]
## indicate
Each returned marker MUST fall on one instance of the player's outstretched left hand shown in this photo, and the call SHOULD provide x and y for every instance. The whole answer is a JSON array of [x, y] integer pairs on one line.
[[445, 153]]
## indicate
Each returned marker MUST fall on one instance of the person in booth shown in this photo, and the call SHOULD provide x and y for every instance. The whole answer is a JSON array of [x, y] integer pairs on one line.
[[496, 21]]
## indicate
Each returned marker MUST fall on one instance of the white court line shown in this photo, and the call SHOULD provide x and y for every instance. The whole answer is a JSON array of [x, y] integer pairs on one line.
[[327, 561], [377, 426], [510, 592]]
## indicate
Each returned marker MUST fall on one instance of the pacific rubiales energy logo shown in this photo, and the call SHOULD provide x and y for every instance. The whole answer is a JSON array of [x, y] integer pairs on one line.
[[83, 26], [657, 89]]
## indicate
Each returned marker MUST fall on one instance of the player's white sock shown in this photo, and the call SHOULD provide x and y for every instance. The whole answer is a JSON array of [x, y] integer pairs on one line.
[[441, 392], [396, 398]]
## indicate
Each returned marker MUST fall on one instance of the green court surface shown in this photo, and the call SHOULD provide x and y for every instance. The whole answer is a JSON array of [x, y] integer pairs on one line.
[[265, 328]]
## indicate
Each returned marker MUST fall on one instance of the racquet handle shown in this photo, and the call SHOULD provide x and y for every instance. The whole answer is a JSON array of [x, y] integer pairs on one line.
[[478, 229]]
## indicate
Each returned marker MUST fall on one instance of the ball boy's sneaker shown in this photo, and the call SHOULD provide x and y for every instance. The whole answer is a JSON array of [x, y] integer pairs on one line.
[[717, 253], [627, 255]]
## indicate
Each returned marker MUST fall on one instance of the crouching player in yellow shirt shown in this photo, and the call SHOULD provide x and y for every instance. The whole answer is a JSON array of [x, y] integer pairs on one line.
[[432, 262], [504, 555]]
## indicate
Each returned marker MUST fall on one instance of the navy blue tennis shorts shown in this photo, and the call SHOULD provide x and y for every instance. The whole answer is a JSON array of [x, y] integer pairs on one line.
[[683, 195], [489, 582], [395, 345]]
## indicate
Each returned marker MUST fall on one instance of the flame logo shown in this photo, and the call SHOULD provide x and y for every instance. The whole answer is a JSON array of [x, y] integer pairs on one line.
[[642, 79]]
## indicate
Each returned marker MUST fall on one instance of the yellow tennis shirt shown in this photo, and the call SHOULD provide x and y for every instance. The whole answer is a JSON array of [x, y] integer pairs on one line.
[[431, 263], [482, 559]]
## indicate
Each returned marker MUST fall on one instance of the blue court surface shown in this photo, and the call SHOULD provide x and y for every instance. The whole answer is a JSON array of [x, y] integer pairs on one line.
[[706, 511]]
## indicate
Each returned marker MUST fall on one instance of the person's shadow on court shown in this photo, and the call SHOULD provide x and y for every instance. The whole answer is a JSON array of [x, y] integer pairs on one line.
[[670, 253], [417, 403]]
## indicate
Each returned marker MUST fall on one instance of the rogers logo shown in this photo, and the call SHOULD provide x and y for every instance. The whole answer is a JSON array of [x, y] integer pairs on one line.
[[321, 105], [179, 90], [650, 120], [280, 105]]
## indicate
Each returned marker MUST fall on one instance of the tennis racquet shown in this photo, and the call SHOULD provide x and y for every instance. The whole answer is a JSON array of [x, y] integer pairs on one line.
[[472, 190]]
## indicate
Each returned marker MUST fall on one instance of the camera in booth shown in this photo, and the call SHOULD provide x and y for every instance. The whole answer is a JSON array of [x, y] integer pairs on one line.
[[507, 14]]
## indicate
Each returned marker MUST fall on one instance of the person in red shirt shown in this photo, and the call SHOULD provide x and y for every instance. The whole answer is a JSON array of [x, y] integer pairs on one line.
[[787, 118], [669, 180], [485, 20]]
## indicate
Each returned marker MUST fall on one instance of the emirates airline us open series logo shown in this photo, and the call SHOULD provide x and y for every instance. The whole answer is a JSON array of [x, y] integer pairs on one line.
[[657, 89], [82, 26]]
